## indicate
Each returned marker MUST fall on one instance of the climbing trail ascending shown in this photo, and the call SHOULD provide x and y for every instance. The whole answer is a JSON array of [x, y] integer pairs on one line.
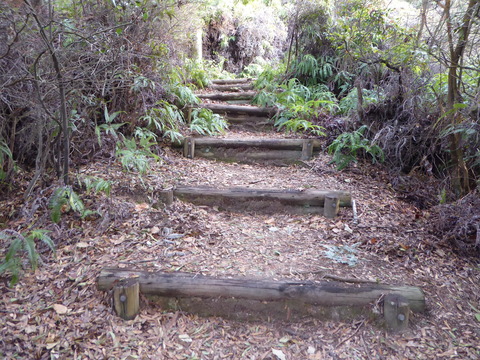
[[259, 149]]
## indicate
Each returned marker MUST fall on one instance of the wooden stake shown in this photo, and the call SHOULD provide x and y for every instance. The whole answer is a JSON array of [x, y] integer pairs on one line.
[[331, 207], [189, 148], [396, 311], [307, 149], [166, 197], [126, 301]]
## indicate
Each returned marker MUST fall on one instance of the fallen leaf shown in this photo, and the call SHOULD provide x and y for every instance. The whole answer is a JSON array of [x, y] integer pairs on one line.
[[60, 309], [50, 346], [82, 245], [279, 354], [185, 337], [141, 207]]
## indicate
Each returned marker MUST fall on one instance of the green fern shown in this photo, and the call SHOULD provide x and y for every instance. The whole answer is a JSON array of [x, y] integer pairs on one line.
[[205, 122], [63, 200], [184, 96], [25, 242], [109, 127], [96, 184], [299, 125], [346, 148]]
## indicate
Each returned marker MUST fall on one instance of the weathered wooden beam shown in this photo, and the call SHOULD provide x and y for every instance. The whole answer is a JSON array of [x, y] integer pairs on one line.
[[277, 144], [233, 87], [232, 81], [322, 294], [306, 198], [239, 109], [245, 118], [250, 155], [247, 95]]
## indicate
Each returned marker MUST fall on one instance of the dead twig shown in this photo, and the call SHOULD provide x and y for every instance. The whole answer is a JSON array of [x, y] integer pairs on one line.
[[352, 335]]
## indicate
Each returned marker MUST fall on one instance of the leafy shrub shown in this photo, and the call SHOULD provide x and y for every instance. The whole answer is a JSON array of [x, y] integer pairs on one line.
[[312, 71], [252, 70], [346, 147], [205, 122], [299, 125], [65, 199], [136, 157], [96, 184], [164, 119], [299, 104], [109, 127], [349, 103], [22, 243], [184, 96], [269, 79]]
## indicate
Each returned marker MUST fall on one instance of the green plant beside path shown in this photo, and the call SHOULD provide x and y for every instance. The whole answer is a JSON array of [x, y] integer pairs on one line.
[[22, 243], [348, 146]]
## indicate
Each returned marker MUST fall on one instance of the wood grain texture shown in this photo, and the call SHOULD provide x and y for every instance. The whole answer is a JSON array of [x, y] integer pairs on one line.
[[323, 294]]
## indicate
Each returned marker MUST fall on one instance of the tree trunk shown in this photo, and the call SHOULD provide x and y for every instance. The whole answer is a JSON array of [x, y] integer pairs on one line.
[[460, 179]]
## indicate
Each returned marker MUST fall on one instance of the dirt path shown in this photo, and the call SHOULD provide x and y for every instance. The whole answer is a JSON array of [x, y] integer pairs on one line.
[[391, 242]]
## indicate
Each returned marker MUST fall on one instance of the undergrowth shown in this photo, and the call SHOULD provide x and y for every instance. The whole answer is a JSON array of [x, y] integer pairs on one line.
[[348, 146], [22, 244]]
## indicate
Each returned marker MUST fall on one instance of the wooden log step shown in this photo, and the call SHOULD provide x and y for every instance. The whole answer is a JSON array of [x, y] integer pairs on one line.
[[232, 81], [249, 122], [232, 96], [251, 156], [239, 109], [262, 200], [274, 151], [231, 88], [306, 292], [285, 144]]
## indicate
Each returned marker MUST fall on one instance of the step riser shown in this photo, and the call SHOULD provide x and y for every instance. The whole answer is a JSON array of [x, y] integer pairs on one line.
[[228, 96], [265, 201], [232, 81], [284, 151], [238, 87], [271, 157], [238, 110]]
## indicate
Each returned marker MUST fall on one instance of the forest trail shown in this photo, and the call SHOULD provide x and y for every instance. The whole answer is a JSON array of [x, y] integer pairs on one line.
[[59, 306]]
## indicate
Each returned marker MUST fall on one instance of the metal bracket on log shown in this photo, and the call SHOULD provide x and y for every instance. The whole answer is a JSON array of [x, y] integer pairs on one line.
[[396, 310], [126, 298], [189, 148]]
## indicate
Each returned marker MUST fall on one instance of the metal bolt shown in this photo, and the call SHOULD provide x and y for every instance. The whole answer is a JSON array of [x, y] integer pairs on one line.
[[123, 298], [401, 317]]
